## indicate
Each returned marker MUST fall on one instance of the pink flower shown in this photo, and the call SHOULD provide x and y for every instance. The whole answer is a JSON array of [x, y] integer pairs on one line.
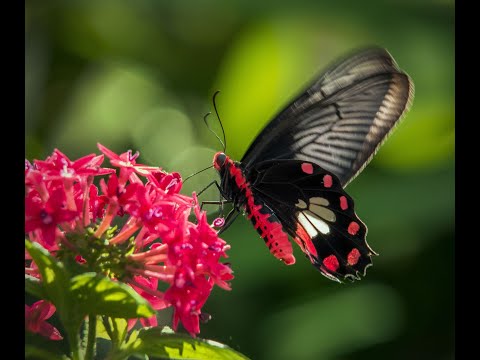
[[171, 183], [59, 166], [189, 261], [156, 210], [46, 217], [96, 203], [142, 285], [35, 319], [188, 298], [127, 162], [157, 247], [115, 194]]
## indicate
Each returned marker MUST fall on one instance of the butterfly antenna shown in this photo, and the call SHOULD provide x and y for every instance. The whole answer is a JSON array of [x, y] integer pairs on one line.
[[220, 121], [198, 172], [224, 142], [213, 132]]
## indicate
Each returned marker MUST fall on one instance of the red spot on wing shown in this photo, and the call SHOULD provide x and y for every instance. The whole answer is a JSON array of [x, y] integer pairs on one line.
[[353, 228], [353, 257], [343, 203], [307, 168], [331, 263], [327, 181]]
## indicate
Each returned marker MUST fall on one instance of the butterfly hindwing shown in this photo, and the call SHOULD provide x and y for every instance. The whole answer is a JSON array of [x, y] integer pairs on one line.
[[315, 210], [340, 121]]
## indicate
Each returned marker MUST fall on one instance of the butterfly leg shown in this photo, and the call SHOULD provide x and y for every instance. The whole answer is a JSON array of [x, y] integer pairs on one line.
[[215, 202], [214, 182], [232, 215], [221, 202]]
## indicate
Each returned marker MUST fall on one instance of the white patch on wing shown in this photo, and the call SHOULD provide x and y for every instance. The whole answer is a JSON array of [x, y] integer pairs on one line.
[[319, 201], [301, 204], [312, 224], [323, 212]]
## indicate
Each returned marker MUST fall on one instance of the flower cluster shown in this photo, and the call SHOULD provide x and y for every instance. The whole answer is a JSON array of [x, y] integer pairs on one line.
[[142, 220]]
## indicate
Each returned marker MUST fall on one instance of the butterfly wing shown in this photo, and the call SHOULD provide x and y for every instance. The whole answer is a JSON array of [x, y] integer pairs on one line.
[[341, 120], [315, 210]]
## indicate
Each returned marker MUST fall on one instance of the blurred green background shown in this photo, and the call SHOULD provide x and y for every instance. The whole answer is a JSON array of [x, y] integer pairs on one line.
[[141, 75]]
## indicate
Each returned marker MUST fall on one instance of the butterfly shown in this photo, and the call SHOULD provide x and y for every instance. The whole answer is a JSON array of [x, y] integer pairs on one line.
[[291, 180]]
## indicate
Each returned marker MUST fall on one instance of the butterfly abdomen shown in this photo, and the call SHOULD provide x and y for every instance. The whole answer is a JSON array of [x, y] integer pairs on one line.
[[270, 229], [263, 218]]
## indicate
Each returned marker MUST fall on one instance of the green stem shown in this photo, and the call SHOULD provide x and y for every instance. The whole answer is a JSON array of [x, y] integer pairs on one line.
[[74, 344], [92, 336], [116, 341], [109, 330]]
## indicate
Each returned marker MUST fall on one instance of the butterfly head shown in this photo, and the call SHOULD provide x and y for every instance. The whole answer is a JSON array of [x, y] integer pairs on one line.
[[219, 160]]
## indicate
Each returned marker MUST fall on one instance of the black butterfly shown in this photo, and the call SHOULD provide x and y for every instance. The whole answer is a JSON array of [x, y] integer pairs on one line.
[[291, 179]]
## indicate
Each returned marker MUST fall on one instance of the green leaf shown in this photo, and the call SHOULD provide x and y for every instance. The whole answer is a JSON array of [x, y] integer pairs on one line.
[[34, 287], [55, 277], [56, 281], [154, 342], [98, 295], [117, 327]]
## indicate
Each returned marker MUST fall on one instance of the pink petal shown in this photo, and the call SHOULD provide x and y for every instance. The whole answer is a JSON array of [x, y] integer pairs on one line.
[[80, 163], [110, 154], [49, 331]]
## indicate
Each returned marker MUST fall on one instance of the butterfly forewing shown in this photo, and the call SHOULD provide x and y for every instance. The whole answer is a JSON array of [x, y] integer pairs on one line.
[[315, 210], [340, 121]]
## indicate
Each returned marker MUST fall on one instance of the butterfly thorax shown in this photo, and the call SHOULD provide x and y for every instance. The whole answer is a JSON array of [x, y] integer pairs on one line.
[[235, 187]]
